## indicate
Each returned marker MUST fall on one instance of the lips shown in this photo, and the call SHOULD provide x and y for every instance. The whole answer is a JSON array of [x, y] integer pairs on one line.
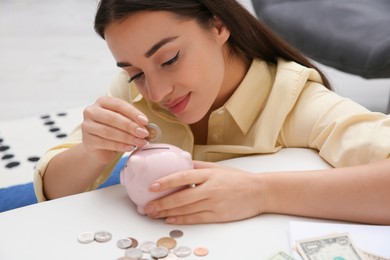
[[178, 105]]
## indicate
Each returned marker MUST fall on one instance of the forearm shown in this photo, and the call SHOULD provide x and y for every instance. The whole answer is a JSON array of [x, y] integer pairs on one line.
[[359, 194], [70, 172]]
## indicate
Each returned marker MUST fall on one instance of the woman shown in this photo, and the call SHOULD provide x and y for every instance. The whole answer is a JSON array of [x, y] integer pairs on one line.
[[221, 85]]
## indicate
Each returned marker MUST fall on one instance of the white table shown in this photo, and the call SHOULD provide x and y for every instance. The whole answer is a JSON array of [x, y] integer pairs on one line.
[[49, 230]]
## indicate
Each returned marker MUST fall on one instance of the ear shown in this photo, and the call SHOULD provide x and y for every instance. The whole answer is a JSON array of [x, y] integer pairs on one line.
[[221, 31]]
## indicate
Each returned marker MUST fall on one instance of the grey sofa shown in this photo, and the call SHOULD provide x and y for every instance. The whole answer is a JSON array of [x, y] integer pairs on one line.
[[350, 35]]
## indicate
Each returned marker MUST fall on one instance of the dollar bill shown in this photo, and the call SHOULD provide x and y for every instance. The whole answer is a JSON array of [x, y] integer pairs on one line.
[[333, 247], [370, 256], [282, 256]]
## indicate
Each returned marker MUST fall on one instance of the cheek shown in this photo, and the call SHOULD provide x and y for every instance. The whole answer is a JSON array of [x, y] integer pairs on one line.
[[204, 79], [204, 70], [211, 75]]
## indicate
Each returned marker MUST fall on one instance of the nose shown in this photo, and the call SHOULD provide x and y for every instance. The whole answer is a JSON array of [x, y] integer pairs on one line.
[[158, 88]]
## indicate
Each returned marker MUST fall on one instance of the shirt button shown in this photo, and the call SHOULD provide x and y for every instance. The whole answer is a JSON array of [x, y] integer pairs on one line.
[[220, 112]]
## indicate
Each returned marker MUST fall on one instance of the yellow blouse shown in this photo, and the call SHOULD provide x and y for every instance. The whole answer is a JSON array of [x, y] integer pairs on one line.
[[275, 106]]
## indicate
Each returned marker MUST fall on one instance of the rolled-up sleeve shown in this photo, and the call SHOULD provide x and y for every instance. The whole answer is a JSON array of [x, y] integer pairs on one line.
[[73, 139], [344, 132]]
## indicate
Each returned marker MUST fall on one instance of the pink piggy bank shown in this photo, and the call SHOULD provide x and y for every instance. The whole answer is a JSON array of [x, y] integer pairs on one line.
[[150, 163]]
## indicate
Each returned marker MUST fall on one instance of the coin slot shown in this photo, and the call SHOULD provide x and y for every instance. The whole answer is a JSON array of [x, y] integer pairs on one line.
[[155, 148]]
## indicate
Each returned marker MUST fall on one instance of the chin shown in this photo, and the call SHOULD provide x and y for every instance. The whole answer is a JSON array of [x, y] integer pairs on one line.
[[189, 119]]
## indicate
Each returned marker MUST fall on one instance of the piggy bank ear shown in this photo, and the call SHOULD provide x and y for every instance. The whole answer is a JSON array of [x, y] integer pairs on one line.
[[186, 156]]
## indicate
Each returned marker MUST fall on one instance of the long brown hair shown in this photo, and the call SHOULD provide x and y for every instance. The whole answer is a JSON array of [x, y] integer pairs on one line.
[[249, 37]]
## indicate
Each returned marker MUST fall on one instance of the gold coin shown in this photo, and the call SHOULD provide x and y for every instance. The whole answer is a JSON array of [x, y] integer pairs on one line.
[[201, 251], [124, 243], [154, 132], [167, 242]]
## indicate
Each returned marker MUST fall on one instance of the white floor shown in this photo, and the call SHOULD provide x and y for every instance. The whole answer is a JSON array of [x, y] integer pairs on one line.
[[51, 59]]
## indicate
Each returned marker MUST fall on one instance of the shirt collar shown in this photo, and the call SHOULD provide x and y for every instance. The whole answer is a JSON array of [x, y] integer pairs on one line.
[[249, 98]]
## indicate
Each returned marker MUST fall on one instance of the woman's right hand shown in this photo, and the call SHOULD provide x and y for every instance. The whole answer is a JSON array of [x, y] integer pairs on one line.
[[112, 125]]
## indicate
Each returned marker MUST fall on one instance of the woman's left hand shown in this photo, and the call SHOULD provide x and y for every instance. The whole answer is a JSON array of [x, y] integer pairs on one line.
[[220, 194]]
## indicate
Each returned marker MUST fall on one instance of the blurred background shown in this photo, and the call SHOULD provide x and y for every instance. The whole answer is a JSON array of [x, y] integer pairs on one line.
[[51, 59]]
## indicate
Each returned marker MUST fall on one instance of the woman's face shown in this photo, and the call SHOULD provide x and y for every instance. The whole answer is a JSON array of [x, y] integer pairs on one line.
[[174, 63]]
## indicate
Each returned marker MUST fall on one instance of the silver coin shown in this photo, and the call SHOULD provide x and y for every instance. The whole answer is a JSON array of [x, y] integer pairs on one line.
[[86, 237], [103, 236], [159, 252], [147, 246], [182, 251], [176, 233], [170, 256], [154, 132], [124, 243], [134, 253]]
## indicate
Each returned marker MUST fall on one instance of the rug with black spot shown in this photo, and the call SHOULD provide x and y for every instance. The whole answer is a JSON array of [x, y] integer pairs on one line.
[[22, 143]]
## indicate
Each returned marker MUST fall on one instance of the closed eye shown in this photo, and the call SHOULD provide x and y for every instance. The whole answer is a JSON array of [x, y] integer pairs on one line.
[[170, 62], [135, 77], [173, 60]]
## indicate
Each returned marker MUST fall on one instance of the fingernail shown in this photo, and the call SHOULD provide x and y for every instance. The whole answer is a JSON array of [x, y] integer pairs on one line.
[[170, 220], [155, 187], [141, 132], [143, 119], [129, 148], [148, 209], [139, 142]]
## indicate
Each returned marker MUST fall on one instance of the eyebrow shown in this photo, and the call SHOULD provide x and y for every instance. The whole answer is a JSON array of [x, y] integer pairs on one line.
[[151, 51]]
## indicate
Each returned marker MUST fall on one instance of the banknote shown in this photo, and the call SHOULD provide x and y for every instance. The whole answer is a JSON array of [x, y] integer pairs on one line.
[[337, 246], [282, 256], [370, 256]]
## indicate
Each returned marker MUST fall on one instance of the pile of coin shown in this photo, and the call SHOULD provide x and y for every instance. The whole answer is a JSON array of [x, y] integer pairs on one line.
[[164, 248]]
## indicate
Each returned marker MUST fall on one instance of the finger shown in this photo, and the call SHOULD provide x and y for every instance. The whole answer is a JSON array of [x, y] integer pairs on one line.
[[176, 200], [196, 218], [109, 133], [98, 115], [123, 107], [97, 143], [178, 179], [185, 209]]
